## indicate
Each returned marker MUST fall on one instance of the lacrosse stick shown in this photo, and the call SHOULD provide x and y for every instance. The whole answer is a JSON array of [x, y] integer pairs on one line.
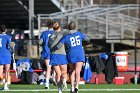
[[14, 65]]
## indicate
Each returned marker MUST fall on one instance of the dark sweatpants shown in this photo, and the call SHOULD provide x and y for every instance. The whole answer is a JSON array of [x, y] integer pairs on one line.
[[26, 77]]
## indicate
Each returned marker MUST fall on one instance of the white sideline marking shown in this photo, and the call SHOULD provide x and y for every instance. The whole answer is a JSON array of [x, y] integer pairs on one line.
[[29, 90]]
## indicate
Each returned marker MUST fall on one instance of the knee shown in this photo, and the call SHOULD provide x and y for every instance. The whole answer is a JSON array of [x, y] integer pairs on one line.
[[64, 72], [77, 72], [49, 68], [7, 70]]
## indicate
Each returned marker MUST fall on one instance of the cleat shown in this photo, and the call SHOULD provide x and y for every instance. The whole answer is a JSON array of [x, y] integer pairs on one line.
[[5, 88], [52, 80], [76, 90], [59, 84], [47, 86], [60, 90]]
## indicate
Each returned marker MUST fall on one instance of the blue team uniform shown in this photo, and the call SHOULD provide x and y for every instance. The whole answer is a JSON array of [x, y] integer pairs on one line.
[[5, 55], [75, 50], [46, 51], [58, 59]]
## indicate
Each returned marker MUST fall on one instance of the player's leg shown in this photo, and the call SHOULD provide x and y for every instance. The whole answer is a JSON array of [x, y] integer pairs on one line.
[[52, 79], [72, 76], [53, 74], [78, 68], [64, 75], [58, 77], [1, 74], [47, 73], [7, 76]]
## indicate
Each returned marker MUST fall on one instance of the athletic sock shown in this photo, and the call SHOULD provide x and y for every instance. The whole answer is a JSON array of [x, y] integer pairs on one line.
[[65, 83], [76, 87], [72, 89], [47, 83], [47, 80], [64, 80]]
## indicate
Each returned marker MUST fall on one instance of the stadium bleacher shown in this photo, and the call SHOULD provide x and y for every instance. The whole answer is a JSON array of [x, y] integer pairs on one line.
[[14, 13]]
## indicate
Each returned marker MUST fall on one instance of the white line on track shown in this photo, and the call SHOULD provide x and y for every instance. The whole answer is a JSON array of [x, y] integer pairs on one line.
[[79, 90]]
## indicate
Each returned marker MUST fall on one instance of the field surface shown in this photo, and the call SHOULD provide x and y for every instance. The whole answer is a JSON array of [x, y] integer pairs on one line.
[[90, 88]]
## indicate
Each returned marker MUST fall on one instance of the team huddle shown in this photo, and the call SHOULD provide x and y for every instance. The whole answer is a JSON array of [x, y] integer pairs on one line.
[[60, 48]]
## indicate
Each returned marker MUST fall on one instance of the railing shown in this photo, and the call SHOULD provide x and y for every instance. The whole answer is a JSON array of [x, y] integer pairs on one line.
[[94, 9], [106, 20], [71, 4]]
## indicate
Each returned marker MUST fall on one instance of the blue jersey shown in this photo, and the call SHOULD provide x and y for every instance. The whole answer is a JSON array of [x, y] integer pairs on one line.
[[75, 49], [5, 55], [45, 37]]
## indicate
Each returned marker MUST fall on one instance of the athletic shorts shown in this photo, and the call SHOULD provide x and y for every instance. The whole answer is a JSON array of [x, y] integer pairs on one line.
[[5, 60], [45, 55], [79, 57], [58, 59]]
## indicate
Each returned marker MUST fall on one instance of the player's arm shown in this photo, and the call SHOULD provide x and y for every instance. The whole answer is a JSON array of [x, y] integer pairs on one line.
[[40, 42], [85, 37], [50, 42], [57, 46], [65, 32], [53, 41]]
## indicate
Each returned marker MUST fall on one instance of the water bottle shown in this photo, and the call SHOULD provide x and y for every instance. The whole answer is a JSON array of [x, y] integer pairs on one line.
[[96, 80]]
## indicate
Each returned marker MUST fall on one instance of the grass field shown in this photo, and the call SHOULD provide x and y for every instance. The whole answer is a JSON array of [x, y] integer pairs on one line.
[[90, 88]]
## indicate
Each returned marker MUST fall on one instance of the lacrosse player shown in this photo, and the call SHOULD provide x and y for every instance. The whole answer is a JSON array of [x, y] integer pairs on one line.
[[5, 54]]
